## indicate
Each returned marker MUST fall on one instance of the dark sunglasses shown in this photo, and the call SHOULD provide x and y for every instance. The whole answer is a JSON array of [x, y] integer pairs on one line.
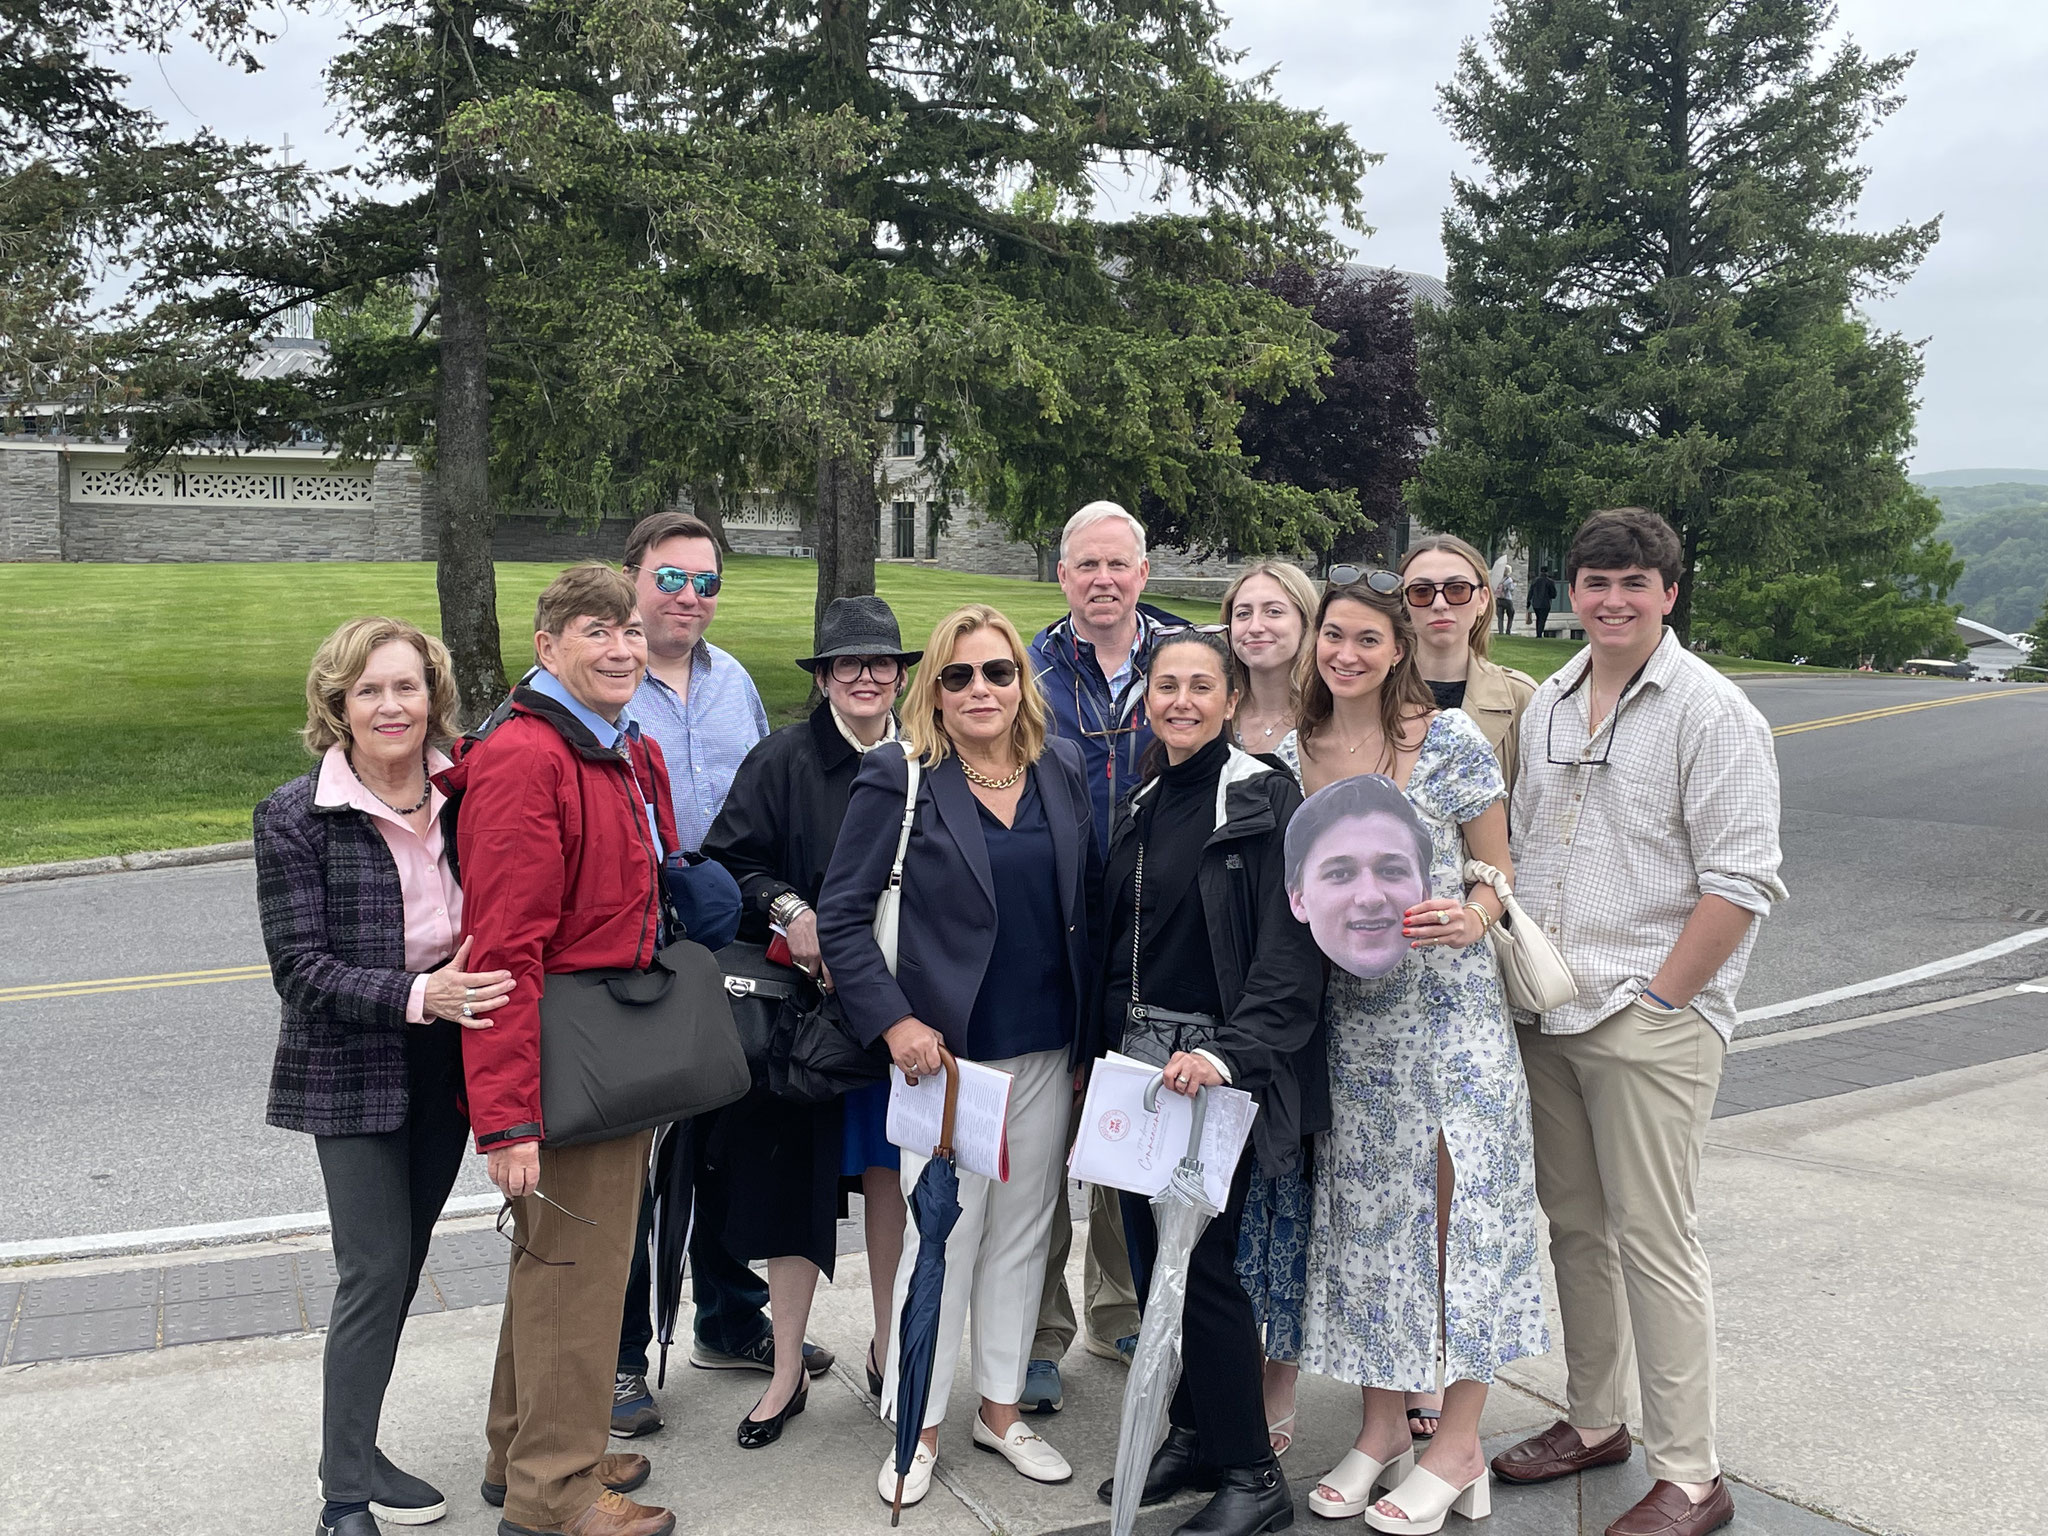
[[883, 669], [1422, 593], [1386, 583], [1000, 674], [673, 578]]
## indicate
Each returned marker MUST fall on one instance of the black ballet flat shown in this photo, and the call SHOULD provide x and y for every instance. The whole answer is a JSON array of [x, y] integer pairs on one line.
[[874, 1376], [758, 1433]]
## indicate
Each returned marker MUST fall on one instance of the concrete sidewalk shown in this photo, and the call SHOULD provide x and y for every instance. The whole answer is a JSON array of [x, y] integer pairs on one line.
[[1879, 1260]]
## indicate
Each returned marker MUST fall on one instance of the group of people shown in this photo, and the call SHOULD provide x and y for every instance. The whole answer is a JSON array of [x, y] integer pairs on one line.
[[1098, 859]]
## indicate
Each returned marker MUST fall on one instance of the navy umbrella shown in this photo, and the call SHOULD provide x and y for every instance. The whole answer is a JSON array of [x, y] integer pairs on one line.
[[935, 1207]]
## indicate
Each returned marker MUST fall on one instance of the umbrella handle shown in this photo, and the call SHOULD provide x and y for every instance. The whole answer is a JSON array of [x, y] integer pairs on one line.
[[1201, 1097], [951, 1068]]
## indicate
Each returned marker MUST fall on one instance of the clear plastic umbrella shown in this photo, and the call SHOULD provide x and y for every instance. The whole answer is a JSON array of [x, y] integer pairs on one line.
[[1180, 1212]]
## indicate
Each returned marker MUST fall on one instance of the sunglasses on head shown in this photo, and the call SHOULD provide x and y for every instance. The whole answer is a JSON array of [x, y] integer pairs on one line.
[[1457, 593], [1386, 583], [673, 578], [1000, 673]]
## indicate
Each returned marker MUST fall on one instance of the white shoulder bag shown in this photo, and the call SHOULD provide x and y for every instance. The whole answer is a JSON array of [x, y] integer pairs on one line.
[[1532, 972], [889, 909]]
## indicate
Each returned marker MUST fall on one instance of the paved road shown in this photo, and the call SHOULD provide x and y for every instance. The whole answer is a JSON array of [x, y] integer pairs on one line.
[[1909, 838]]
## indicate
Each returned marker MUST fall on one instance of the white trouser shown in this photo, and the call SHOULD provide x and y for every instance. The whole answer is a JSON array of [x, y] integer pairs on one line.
[[995, 1259]]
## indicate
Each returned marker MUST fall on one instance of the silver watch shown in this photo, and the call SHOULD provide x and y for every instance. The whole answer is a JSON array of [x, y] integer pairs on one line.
[[787, 908]]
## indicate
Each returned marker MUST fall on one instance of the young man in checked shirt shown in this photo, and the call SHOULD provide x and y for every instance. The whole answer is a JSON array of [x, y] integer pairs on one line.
[[1645, 843]]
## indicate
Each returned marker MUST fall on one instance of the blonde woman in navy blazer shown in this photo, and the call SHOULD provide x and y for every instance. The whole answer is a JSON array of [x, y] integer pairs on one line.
[[1000, 881]]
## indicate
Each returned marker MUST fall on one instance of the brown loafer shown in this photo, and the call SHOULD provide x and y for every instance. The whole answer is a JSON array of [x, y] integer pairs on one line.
[[1666, 1511], [612, 1515], [620, 1471], [1558, 1452]]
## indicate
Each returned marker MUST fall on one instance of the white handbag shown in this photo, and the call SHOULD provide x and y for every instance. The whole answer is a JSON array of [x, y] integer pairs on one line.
[[889, 909], [1532, 972]]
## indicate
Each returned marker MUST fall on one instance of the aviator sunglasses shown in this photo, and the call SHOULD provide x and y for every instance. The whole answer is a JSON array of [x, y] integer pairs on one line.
[[673, 578], [1000, 673]]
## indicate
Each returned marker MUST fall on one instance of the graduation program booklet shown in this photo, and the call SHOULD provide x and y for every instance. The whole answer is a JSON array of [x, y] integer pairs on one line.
[[1119, 1144], [980, 1120]]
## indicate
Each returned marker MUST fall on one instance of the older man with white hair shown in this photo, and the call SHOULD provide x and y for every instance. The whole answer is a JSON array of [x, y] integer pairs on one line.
[[1090, 667]]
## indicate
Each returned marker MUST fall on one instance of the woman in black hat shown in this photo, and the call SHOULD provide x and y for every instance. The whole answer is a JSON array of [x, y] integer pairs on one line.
[[786, 1160]]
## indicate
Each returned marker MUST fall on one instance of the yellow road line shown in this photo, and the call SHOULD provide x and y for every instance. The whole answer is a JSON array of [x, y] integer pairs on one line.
[[1898, 709], [31, 994]]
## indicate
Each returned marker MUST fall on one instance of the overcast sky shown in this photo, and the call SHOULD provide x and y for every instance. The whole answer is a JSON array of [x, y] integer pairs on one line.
[[1970, 144]]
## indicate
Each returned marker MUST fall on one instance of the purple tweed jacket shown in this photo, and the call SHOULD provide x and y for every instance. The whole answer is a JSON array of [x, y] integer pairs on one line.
[[334, 926]]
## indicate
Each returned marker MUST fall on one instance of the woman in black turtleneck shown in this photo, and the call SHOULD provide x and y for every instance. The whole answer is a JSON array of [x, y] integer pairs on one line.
[[1227, 989]]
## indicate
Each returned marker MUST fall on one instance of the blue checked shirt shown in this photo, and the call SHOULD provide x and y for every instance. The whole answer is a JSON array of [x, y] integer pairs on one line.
[[704, 739]]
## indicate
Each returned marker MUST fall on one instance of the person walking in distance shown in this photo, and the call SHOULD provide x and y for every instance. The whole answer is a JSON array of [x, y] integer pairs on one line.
[[563, 820], [1504, 600], [1542, 598], [1646, 837], [1090, 669], [699, 704]]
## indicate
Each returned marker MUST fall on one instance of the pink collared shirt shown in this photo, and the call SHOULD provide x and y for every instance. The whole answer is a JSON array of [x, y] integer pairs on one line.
[[433, 901]]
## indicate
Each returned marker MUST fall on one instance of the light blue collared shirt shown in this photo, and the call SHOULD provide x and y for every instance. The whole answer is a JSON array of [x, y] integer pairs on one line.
[[542, 681], [703, 738]]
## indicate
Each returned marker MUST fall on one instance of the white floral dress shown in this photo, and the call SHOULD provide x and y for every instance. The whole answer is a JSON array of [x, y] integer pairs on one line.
[[1426, 1048]]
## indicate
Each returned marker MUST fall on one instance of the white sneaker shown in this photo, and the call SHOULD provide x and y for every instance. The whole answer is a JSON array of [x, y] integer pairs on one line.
[[1025, 1450], [916, 1485]]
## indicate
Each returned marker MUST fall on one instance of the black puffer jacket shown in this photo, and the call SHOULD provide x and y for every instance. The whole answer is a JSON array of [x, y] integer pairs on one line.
[[1269, 972]]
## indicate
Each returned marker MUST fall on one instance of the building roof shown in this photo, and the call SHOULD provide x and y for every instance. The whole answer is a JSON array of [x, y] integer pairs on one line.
[[284, 357], [1422, 288]]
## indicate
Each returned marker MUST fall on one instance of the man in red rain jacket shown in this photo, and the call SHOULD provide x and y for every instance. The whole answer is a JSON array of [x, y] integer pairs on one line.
[[564, 818]]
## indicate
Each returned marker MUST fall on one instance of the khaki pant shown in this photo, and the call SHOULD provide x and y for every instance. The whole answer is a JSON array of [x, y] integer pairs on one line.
[[1620, 1112], [1111, 1298], [551, 1398]]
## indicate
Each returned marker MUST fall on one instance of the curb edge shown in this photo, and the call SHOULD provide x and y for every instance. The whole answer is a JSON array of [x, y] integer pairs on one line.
[[161, 858]]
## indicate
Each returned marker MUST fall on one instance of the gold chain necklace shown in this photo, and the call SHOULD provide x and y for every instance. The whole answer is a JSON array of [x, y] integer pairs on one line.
[[978, 777]]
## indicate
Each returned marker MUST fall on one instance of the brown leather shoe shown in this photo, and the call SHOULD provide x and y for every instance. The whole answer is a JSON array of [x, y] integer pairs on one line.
[[1666, 1511], [1558, 1452], [620, 1471], [612, 1515]]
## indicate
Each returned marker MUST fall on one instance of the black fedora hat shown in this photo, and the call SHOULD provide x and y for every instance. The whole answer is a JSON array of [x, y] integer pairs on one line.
[[859, 626]]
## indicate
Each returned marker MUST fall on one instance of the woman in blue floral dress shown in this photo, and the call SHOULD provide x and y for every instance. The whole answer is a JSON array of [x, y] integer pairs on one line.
[[1420, 1054]]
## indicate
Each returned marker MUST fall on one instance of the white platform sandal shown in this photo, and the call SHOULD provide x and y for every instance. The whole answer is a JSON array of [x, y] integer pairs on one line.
[[1428, 1500], [1355, 1478]]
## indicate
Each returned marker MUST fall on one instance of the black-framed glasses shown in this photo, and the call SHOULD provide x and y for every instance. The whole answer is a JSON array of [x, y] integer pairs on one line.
[[883, 669], [1457, 593], [1000, 673], [673, 578], [1386, 583], [1608, 727], [505, 1215]]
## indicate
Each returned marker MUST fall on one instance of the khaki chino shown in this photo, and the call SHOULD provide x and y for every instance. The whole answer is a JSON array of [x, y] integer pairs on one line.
[[551, 1398], [1620, 1113]]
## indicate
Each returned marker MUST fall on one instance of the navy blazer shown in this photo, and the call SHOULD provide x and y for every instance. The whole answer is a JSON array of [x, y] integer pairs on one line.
[[947, 927]]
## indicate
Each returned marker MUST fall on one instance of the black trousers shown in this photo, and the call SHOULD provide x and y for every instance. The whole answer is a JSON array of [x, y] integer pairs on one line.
[[1542, 621], [729, 1295], [384, 1194], [1221, 1396]]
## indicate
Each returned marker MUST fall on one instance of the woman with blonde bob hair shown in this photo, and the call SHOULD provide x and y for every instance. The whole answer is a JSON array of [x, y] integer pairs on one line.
[[362, 919], [1002, 843], [1451, 604]]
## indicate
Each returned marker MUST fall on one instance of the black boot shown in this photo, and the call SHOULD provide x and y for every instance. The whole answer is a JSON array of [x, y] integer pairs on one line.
[[1175, 1465], [1252, 1501]]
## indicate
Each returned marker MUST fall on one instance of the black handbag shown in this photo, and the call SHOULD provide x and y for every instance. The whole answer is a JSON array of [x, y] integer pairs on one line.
[[795, 1038], [623, 1050]]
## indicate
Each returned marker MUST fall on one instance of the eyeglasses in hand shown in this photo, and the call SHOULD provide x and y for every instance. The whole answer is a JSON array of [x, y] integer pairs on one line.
[[505, 1215]]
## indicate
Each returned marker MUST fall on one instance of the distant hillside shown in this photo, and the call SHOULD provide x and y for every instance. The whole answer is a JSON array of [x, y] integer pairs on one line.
[[2001, 534], [1944, 479]]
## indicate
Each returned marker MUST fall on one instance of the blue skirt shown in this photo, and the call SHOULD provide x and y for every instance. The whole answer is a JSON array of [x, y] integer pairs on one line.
[[865, 1142]]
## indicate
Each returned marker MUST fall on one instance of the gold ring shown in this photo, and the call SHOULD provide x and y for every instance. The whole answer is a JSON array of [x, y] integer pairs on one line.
[[1443, 918]]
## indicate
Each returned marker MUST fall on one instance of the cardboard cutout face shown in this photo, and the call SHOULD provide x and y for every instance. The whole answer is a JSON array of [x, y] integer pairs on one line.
[[1357, 858]]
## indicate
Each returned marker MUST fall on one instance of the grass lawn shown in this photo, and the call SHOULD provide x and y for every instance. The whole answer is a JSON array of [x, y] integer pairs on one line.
[[151, 706]]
